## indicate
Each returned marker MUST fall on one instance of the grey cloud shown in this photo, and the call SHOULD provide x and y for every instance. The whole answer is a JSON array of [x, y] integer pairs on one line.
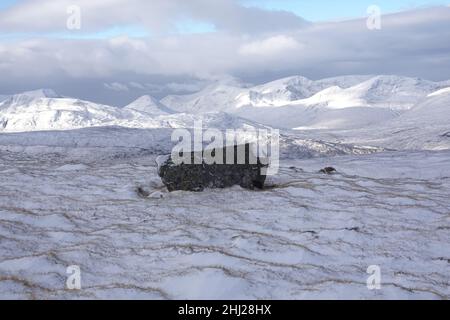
[[186, 87], [137, 85], [116, 86], [156, 15], [174, 87]]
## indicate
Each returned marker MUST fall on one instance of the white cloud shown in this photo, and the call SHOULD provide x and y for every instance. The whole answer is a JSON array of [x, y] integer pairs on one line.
[[175, 87], [270, 46], [185, 87], [116, 86], [137, 85]]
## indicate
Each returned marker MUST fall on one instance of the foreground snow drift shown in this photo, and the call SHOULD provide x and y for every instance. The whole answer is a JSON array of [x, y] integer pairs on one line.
[[312, 236]]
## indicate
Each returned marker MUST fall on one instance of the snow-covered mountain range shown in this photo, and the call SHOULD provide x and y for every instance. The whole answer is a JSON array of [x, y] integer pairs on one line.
[[339, 92], [294, 103], [44, 110]]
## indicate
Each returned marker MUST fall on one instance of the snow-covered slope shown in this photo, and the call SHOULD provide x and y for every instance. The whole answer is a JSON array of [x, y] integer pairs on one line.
[[340, 92], [217, 97], [440, 92], [296, 102], [429, 115], [46, 110], [300, 117], [398, 93], [231, 96], [426, 126], [149, 106], [288, 90], [394, 92], [216, 120], [26, 98]]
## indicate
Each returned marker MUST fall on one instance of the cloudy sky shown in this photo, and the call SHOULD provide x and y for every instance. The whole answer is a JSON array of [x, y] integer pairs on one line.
[[112, 51]]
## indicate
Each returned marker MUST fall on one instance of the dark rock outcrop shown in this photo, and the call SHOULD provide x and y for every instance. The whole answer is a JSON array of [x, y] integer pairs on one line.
[[328, 170], [197, 177]]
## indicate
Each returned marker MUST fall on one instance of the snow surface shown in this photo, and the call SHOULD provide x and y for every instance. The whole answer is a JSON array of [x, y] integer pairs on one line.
[[439, 92], [71, 170], [311, 236]]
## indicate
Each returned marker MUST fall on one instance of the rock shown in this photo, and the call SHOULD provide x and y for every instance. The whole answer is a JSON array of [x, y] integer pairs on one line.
[[197, 177], [142, 193], [328, 170]]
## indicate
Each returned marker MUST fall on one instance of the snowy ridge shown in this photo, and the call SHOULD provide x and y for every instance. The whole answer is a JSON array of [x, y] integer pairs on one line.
[[430, 113], [26, 98], [150, 106], [286, 91], [218, 97], [392, 92]]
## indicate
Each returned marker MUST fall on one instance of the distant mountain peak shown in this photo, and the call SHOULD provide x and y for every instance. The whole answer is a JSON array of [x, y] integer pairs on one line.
[[146, 99], [28, 97], [149, 105]]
